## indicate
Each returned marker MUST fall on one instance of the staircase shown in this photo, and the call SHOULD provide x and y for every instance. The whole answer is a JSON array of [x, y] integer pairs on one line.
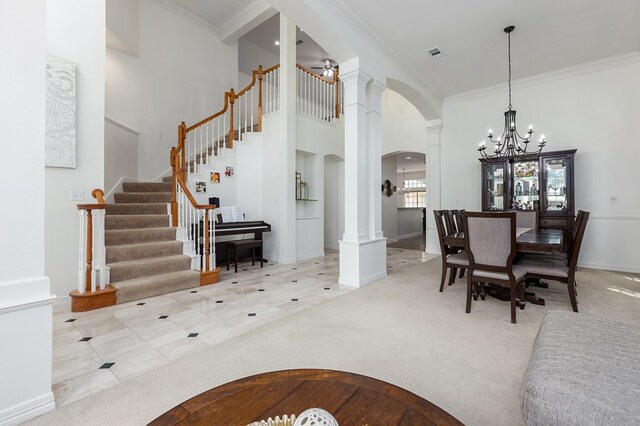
[[144, 257]]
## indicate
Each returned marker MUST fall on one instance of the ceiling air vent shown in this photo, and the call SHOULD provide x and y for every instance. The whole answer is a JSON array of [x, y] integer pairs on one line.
[[299, 42], [434, 51]]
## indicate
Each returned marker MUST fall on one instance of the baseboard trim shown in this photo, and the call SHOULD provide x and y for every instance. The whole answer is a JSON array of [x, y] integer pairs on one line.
[[310, 256], [22, 412], [410, 235], [332, 247], [609, 267], [363, 281]]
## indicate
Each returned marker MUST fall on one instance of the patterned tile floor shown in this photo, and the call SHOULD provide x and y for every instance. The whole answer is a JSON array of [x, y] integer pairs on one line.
[[96, 350]]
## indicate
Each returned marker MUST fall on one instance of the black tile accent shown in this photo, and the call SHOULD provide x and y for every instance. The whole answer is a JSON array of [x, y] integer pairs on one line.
[[327, 288], [271, 264], [193, 335], [294, 300], [244, 269], [267, 275], [106, 365], [294, 281], [261, 289], [70, 320], [85, 339], [140, 304], [194, 291], [320, 273], [317, 263], [234, 282], [252, 314], [295, 269], [163, 317], [218, 301]]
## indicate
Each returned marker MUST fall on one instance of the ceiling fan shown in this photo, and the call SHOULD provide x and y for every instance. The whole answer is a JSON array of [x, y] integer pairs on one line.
[[328, 68]]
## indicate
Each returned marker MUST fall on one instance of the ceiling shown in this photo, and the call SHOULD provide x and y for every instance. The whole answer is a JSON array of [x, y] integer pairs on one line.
[[549, 35], [308, 53], [214, 12], [416, 162]]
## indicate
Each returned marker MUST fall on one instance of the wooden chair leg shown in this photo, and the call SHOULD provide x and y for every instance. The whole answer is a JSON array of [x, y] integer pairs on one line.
[[513, 304], [483, 292], [444, 276], [469, 285], [475, 291], [452, 275], [572, 295], [461, 274]]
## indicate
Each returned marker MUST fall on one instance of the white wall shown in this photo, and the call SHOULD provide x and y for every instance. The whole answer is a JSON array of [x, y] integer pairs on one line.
[[333, 201], [120, 156], [320, 138], [250, 56], [390, 204], [25, 295], [181, 73], [75, 32], [409, 222], [594, 109], [404, 129]]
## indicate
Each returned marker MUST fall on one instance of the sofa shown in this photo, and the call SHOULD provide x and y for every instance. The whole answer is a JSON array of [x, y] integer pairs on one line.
[[584, 370]]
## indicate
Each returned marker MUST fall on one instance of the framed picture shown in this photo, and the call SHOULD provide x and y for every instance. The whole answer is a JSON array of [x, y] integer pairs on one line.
[[228, 171], [215, 177], [201, 187]]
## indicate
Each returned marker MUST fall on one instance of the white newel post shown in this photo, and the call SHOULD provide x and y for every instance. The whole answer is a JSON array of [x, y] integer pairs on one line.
[[82, 253], [362, 252], [434, 128]]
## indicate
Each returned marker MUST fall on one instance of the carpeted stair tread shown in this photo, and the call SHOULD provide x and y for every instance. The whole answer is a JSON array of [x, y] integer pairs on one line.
[[142, 197], [136, 221], [134, 236], [136, 208], [146, 187], [142, 288], [127, 270], [124, 252]]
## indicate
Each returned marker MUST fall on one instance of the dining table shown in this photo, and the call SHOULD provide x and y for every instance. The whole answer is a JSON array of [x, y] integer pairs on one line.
[[528, 240]]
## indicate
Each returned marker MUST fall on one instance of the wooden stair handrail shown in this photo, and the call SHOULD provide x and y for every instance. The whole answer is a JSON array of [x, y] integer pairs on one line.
[[319, 77]]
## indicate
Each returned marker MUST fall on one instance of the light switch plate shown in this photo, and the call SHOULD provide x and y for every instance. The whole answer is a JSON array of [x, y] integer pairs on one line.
[[77, 196]]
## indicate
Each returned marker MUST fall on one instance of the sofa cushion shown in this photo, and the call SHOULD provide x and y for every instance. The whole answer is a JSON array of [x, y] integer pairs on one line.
[[584, 370]]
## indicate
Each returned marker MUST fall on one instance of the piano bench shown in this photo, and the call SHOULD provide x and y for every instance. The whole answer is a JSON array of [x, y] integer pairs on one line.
[[246, 244]]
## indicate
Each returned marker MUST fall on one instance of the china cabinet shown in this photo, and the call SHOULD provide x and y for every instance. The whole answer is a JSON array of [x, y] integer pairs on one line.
[[542, 182]]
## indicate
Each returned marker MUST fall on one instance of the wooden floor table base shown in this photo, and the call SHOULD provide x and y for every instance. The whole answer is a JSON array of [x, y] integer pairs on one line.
[[351, 398]]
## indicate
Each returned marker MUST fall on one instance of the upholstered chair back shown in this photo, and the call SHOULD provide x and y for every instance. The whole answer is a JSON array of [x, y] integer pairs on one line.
[[527, 219], [491, 238]]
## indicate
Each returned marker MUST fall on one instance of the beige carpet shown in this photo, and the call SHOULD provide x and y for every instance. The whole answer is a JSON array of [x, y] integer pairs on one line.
[[400, 330]]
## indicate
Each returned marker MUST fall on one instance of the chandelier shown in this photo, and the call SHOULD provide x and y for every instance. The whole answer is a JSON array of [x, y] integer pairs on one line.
[[404, 189], [510, 144]]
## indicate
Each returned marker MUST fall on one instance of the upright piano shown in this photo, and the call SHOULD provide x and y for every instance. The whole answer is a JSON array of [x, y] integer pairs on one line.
[[255, 227]]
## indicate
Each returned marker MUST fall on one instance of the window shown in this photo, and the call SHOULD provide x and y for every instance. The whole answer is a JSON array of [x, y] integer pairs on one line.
[[417, 195]]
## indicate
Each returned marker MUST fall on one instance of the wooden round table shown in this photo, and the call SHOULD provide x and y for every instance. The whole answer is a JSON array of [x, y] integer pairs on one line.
[[352, 399]]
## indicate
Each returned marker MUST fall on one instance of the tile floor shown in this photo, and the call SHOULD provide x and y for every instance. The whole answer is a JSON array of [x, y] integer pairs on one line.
[[96, 350]]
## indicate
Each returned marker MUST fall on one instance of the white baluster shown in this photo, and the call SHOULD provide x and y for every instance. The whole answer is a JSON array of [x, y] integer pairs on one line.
[[94, 254], [101, 249], [212, 246], [82, 252], [252, 108]]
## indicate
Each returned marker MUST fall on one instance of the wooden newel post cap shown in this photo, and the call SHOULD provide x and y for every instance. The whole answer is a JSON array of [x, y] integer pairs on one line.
[[98, 194]]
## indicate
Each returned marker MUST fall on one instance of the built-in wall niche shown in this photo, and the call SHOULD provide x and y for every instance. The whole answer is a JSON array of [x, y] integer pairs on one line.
[[306, 185]]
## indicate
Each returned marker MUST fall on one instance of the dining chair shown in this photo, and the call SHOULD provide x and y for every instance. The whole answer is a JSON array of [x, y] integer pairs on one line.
[[457, 215], [450, 222], [490, 243], [558, 269], [527, 219], [450, 259]]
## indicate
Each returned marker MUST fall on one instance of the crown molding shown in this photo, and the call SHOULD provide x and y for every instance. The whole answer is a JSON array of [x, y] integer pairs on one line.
[[171, 7], [559, 74], [365, 30], [258, 9]]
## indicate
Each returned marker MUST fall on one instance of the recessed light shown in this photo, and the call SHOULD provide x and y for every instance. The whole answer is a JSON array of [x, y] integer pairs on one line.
[[408, 158], [434, 51], [277, 43]]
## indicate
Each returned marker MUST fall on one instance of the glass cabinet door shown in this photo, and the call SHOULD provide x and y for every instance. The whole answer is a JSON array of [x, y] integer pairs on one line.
[[555, 194], [495, 186], [526, 186]]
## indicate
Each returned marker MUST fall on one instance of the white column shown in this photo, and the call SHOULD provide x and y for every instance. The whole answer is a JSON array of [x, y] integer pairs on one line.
[[25, 291], [434, 128], [362, 249], [287, 145], [374, 145]]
